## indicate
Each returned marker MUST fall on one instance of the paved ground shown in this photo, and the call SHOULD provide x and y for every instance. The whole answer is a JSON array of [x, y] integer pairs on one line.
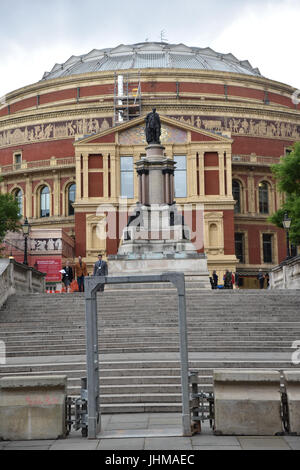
[[134, 427]]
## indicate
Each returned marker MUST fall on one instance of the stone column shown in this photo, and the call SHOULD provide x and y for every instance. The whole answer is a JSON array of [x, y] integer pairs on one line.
[[28, 195], [192, 175], [113, 175], [221, 174], [229, 173], [78, 177], [167, 185], [85, 176], [172, 187], [140, 187], [105, 175], [56, 198], [201, 173]]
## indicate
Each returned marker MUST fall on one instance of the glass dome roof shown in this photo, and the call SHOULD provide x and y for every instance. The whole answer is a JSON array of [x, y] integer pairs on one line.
[[151, 55]]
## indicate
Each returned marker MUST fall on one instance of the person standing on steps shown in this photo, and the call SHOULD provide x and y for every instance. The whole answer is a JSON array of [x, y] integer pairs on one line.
[[227, 280], [261, 279], [237, 280], [100, 269], [67, 277], [215, 280], [81, 273]]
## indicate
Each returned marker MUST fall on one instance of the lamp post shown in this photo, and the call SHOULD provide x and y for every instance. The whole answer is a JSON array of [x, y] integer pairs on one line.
[[26, 232], [287, 225]]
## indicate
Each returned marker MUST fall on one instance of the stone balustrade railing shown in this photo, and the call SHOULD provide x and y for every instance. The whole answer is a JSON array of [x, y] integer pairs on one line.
[[286, 275], [16, 278], [31, 166], [255, 159]]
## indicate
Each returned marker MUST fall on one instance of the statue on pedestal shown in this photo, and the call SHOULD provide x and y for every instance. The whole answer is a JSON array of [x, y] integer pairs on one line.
[[153, 128]]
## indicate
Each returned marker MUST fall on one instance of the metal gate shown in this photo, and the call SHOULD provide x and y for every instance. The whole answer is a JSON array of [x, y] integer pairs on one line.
[[92, 286]]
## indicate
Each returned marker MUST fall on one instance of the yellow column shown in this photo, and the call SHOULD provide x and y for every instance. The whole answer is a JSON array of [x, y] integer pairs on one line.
[[78, 177], [113, 175], [201, 173], [136, 158], [28, 192], [251, 194], [221, 174], [192, 174], [85, 176], [229, 173], [56, 190], [105, 175]]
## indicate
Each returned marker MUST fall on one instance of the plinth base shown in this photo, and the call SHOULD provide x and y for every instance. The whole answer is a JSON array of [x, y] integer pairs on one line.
[[193, 265]]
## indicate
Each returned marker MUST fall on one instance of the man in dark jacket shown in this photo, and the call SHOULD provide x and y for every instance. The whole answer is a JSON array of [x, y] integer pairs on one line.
[[100, 269]]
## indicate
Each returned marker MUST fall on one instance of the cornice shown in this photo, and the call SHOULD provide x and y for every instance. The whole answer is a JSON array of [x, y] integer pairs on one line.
[[258, 111]]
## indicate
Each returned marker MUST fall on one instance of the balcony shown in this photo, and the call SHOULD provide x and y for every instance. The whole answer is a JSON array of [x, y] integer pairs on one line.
[[30, 167], [254, 160]]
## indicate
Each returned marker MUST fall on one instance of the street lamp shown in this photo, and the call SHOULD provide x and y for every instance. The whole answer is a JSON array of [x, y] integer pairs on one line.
[[287, 225], [26, 232]]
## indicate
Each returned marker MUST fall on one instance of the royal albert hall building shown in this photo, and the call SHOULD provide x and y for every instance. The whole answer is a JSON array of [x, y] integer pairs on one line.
[[69, 144]]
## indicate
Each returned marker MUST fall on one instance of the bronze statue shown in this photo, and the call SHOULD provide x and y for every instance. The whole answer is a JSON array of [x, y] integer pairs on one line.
[[153, 128]]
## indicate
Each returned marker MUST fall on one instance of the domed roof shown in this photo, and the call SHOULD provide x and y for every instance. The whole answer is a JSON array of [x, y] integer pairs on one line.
[[151, 55]]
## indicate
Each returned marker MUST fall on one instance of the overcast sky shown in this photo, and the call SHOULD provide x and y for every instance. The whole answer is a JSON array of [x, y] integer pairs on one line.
[[36, 34]]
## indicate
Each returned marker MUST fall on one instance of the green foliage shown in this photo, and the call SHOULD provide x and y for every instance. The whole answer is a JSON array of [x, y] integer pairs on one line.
[[9, 215], [287, 174]]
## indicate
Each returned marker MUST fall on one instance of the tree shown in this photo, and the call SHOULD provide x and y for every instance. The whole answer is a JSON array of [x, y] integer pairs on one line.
[[287, 174], [9, 216]]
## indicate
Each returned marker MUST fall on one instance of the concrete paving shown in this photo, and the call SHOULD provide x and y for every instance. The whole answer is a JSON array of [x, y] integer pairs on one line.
[[116, 430]]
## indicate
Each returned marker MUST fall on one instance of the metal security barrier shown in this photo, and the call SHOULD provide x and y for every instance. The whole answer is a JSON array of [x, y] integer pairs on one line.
[[92, 286], [202, 404]]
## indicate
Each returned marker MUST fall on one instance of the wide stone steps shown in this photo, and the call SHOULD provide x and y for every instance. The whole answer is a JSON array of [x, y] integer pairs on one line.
[[144, 322]]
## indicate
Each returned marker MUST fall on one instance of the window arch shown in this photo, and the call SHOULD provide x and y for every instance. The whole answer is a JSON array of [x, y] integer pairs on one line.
[[263, 194], [71, 197], [237, 196], [44, 202]]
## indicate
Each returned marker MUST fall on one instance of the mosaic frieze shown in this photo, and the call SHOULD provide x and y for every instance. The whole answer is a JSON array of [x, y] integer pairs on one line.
[[57, 130], [136, 136], [242, 126]]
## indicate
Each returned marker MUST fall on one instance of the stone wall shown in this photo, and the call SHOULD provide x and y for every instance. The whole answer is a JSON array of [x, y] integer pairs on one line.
[[16, 277], [286, 275]]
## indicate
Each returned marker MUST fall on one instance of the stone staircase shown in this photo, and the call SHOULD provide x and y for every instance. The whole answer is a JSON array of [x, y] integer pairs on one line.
[[139, 340]]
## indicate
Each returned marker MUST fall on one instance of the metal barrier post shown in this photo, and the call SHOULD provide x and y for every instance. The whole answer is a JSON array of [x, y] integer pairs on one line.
[[92, 285]]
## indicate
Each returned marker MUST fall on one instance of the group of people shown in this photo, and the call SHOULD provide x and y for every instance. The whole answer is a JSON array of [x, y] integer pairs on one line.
[[261, 277], [80, 272], [230, 279]]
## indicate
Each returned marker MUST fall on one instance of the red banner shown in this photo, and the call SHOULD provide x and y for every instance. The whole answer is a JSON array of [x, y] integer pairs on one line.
[[51, 267]]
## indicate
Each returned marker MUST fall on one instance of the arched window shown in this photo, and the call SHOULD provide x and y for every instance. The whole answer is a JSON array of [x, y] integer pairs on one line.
[[236, 192], [71, 198], [45, 202], [19, 198], [263, 191]]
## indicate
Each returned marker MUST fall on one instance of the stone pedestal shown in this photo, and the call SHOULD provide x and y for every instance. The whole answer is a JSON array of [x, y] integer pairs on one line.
[[156, 239], [247, 402], [32, 408]]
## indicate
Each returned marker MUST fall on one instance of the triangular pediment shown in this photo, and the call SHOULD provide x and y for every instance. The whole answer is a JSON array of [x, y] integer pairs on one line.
[[174, 131]]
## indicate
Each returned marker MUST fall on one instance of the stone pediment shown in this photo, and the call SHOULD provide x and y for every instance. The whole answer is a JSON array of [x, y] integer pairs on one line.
[[133, 133]]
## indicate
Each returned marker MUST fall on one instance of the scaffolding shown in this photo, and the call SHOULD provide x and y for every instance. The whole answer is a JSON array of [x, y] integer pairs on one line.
[[127, 97]]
